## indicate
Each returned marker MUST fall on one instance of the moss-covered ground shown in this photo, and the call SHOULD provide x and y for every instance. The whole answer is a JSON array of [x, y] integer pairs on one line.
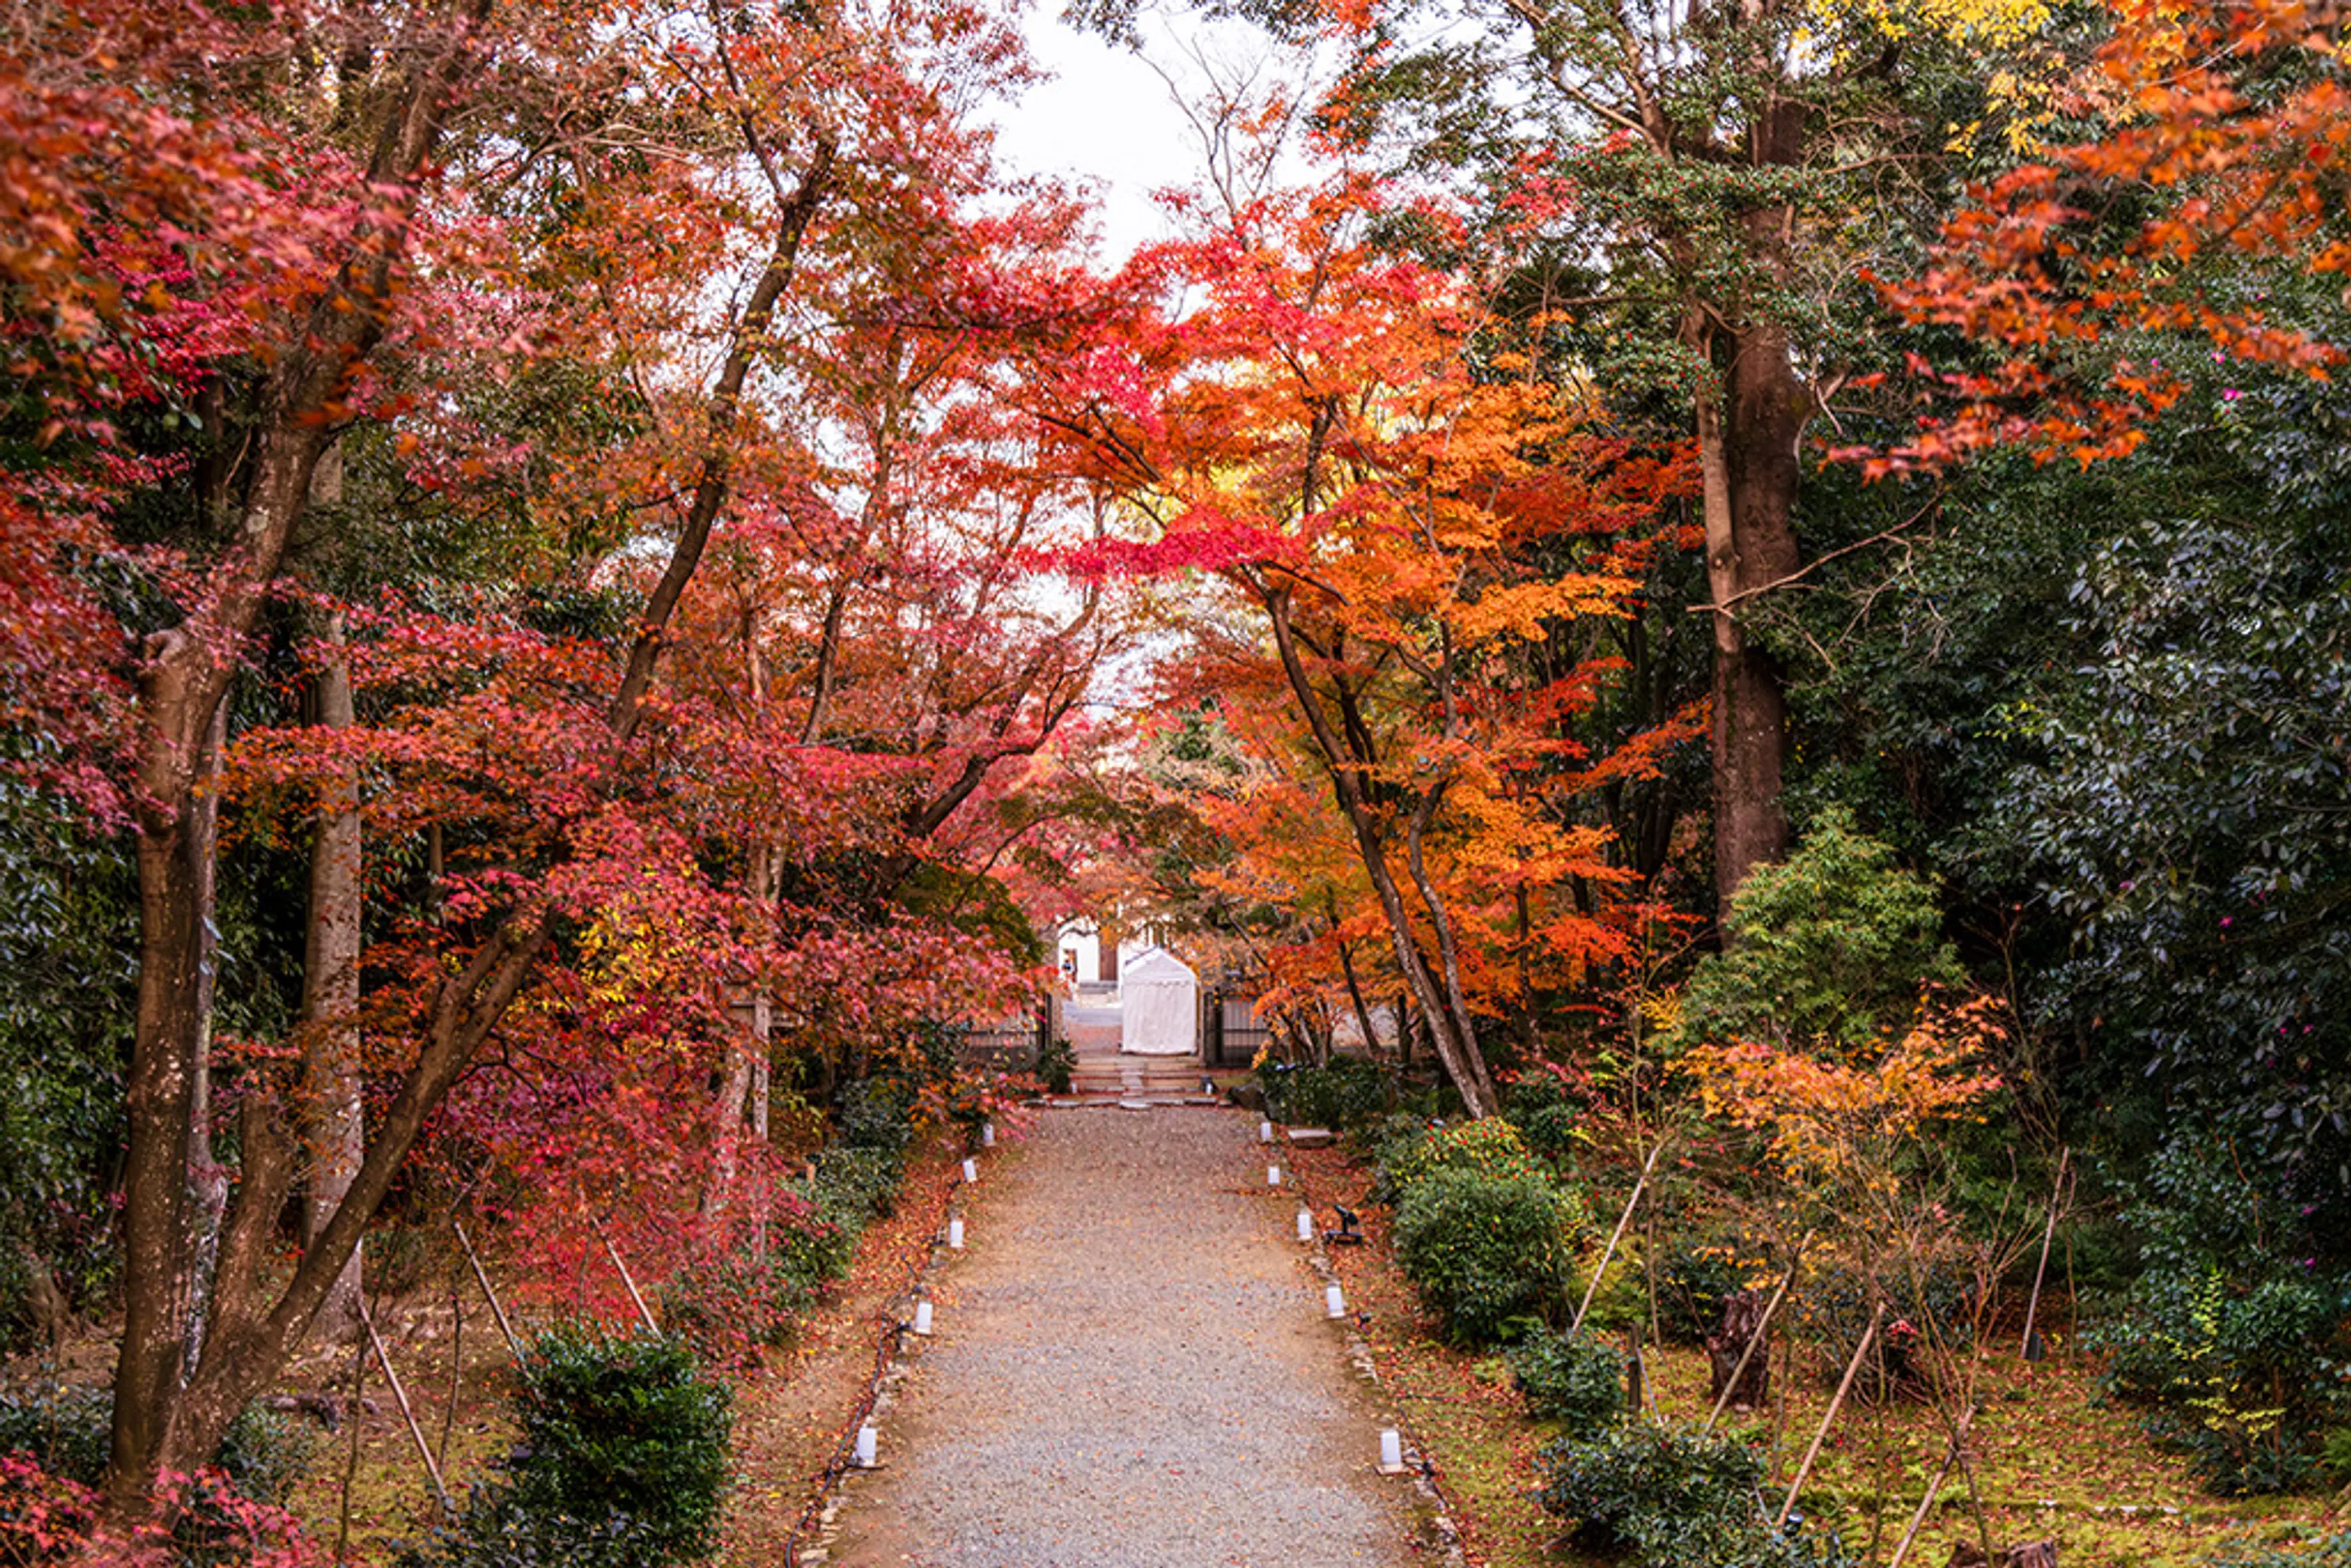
[[2051, 1458]]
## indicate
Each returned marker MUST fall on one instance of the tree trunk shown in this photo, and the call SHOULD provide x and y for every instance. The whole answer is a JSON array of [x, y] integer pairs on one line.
[[334, 1124], [207, 1177], [1452, 1034], [160, 1426], [1750, 546], [160, 1421], [159, 1100], [1728, 1347], [1355, 992]]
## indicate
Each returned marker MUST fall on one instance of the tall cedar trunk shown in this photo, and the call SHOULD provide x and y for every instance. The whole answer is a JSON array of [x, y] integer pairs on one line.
[[1763, 418], [334, 1125], [1749, 455], [159, 1425]]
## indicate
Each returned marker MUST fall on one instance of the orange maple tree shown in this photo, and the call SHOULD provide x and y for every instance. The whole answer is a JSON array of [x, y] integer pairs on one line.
[[2230, 133], [1408, 524]]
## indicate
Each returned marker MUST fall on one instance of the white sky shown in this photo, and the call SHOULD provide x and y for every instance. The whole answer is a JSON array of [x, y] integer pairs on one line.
[[1108, 119]]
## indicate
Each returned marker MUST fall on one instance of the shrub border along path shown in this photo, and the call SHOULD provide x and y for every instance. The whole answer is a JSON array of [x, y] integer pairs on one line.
[[2055, 1461], [792, 1444]]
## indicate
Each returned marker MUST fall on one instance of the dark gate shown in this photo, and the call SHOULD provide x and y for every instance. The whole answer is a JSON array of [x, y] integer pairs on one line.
[[1234, 1037]]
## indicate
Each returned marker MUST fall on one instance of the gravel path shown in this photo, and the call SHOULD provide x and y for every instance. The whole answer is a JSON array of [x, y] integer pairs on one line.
[[1131, 1370]]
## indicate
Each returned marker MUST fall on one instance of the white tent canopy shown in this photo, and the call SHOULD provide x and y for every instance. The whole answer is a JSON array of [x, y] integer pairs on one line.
[[1159, 1002]]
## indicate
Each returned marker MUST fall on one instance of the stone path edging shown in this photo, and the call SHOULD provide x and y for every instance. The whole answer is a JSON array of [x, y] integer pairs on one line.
[[1367, 1367]]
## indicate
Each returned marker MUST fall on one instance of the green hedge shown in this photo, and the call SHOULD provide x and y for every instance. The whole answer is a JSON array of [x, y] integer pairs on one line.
[[1672, 1497], [622, 1463], [1578, 1382], [1490, 1253], [1411, 1150], [1345, 1093]]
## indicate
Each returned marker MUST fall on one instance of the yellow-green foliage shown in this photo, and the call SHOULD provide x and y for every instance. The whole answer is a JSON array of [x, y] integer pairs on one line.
[[1488, 1146], [1964, 21]]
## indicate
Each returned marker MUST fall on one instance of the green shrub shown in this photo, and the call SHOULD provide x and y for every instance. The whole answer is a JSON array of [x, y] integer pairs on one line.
[[263, 1454], [1346, 1092], [1385, 1144], [1549, 1120], [1622, 1301], [66, 1429], [1829, 946], [856, 1184], [623, 1462], [1057, 1063], [1578, 1382], [877, 1114], [815, 1251], [1489, 1146], [1694, 1278], [1489, 1252], [2227, 1341], [1671, 1497]]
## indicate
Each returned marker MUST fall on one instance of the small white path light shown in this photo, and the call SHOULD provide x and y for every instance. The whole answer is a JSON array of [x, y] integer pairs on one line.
[[1334, 1304], [971, 1170], [923, 1318], [1391, 1451], [1265, 1132], [955, 1234], [868, 1447], [1273, 1175], [1306, 1225], [987, 1135]]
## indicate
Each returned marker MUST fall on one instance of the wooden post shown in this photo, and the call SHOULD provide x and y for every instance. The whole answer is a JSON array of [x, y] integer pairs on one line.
[[351, 1453], [496, 1311], [1763, 1331], [628, 1280], [1804, 1470], [1927, 1503], [1577, 1327], [2048, 1235], [407, 1412]]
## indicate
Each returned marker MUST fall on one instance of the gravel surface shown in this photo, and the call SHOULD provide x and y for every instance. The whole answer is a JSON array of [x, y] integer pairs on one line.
[[1131, 1370]]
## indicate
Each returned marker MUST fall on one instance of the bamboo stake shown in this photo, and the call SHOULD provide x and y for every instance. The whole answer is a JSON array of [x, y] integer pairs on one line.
[[1804, 1470], [626, 1278], [496, 1311], [1927, 1503], [352, 1454], [407, 1412], [2057, 1196], [1762, 1329], [456, 1367], [1624, 1220]]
